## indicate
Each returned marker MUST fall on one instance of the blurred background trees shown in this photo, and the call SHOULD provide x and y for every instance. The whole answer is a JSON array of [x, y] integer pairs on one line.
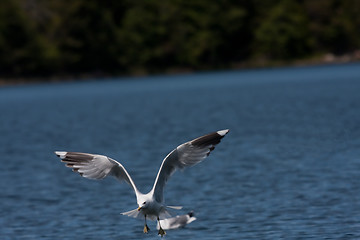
[[45, 38]]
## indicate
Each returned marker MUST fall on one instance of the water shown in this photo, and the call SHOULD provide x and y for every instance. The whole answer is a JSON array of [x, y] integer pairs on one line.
[[288, 169]]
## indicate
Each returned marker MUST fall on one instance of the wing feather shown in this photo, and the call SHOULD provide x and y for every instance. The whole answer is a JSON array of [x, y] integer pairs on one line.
[[185, 155], [95, 166]]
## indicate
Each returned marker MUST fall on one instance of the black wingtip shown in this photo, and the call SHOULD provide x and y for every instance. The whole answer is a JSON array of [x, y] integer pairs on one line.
[[210, 139]]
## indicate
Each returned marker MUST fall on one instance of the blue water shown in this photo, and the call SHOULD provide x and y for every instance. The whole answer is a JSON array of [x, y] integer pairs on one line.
[[288, 169]]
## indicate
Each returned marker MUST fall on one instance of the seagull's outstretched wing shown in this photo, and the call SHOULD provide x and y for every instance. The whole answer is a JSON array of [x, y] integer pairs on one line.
[[95, 166], [187, 154]]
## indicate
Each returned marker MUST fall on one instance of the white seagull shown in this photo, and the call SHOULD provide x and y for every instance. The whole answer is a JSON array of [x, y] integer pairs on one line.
[[151, 205], [176, 222]]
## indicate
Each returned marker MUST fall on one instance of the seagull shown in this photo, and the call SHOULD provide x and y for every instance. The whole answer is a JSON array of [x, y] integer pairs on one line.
[[177, 222], [150, 205]]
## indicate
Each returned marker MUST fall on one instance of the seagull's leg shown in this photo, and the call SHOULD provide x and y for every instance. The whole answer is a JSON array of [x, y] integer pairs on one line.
[[146, 228], [161, 231]]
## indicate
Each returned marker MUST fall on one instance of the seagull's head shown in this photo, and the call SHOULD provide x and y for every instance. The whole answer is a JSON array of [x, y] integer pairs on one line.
[[142, 205]]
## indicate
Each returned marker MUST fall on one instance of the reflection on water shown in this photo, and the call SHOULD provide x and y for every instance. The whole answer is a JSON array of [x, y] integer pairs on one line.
[[288, 169]]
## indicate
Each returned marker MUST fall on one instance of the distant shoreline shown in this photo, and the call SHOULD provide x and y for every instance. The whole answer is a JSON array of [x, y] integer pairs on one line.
[[327, 59]]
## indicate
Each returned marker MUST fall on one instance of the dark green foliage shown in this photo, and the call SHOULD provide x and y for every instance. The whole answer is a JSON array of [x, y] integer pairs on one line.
[[74, 37], [335, 25], [18, 41], [284, 32]]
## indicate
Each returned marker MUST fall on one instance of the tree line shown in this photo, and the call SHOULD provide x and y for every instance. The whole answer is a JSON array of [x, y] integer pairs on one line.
[[45, 38]]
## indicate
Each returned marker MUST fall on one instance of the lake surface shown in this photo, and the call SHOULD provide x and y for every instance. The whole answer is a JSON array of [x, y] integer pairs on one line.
[[288, 169]]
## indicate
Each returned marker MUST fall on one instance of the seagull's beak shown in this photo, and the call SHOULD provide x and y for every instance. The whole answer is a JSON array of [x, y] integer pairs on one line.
[[139, 208]]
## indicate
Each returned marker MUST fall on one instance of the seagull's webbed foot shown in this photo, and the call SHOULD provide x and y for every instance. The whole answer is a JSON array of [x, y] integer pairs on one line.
[[161, 232], [146, 228]]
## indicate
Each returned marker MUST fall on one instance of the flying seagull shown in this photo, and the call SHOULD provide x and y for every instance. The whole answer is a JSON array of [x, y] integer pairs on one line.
[[177, 222], [150, 205]]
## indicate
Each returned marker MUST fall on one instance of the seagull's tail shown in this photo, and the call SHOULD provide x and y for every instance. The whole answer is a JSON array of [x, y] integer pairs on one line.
[[133, 213], [175, 207], [168, 211], [165, 213]]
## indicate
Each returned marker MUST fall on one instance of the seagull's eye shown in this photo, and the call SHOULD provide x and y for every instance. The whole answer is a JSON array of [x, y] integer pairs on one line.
[[144, 203]]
